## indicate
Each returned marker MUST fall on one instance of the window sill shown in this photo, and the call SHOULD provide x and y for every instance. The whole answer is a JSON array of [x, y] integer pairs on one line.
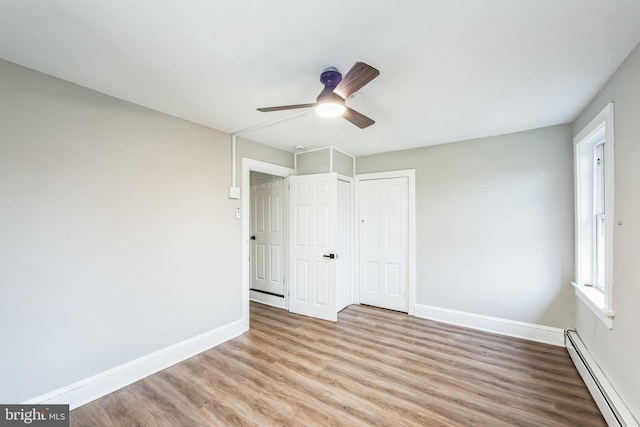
[[594, 299]]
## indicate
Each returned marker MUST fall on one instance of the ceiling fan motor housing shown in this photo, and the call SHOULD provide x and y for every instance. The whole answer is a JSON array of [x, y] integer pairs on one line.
[[330, 78]]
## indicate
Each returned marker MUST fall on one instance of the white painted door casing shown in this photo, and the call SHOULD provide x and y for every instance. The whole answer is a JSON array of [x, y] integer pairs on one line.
[[248, 166]]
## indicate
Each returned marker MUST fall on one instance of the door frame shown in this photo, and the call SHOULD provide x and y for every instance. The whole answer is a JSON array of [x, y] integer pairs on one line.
[[251, 165], [353, 237], [411, 274], [255, 295]]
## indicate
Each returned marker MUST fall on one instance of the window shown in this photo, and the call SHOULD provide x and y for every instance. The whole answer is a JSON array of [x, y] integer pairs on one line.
[[599, 215], [593, 153]]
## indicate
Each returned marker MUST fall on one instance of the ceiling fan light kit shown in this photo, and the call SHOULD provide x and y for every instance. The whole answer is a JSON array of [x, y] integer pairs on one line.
[[331, 105], [331, 101]]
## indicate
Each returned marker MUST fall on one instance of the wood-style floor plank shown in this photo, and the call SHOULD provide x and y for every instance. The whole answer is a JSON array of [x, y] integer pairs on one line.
[[374, 367]]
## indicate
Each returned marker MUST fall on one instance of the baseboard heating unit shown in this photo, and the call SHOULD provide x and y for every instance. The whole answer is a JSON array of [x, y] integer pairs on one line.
[[612, 407]]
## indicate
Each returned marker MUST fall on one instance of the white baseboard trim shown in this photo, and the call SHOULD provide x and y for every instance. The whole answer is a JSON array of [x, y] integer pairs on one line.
[[512, 328], [267, 299], [96, 386]]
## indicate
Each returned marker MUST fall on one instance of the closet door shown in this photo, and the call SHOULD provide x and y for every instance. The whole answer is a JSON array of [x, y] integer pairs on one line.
[[383, 210], [314, 215]]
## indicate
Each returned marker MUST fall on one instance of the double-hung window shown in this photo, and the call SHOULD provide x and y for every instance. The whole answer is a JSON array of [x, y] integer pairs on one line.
[[593, 154]]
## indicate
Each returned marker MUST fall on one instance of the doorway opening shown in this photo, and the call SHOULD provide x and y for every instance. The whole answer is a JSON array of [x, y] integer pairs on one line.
[[276, 175], [267, 239]]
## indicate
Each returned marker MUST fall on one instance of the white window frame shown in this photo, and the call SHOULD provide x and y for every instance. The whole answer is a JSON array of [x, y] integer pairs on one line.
[[598, 131]]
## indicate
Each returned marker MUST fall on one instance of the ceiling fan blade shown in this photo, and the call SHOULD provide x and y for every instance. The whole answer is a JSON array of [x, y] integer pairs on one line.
[[357, 119], [286, 107], [358, 76]]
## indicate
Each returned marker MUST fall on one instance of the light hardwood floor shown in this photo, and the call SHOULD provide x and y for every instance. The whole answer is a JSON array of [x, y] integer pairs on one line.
[[373, 368]]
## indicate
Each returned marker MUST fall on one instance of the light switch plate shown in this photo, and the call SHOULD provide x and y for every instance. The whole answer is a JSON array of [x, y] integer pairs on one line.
[[234, 192]]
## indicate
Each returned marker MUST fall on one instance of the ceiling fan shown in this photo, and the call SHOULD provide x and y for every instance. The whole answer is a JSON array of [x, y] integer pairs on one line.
[[331, 101]]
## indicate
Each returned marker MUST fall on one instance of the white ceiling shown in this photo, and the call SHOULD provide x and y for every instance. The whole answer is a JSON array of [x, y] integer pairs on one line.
[[450, 69]]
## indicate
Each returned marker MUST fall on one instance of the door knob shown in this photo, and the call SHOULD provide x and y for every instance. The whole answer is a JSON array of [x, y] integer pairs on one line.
[[253, 237], [332, 256]]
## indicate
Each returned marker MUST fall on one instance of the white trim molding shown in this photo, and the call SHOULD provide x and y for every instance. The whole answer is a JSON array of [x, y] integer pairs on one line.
[[96, 386], [600, 129], [594, 300], [496, 325]]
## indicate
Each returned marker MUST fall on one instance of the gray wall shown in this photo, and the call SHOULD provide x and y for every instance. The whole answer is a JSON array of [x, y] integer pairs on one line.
[[320, 161], [494, 224], [117, 236], [254, 150], [311, 162], [342, 163], [617, 351]]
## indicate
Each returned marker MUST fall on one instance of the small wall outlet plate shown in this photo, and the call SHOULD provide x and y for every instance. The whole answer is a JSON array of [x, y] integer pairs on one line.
[[234, 192]]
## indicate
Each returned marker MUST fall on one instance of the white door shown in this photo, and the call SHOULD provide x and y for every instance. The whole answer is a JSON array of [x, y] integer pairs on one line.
[[383, 221], [313, 219], [267, 234], [343, 261]]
